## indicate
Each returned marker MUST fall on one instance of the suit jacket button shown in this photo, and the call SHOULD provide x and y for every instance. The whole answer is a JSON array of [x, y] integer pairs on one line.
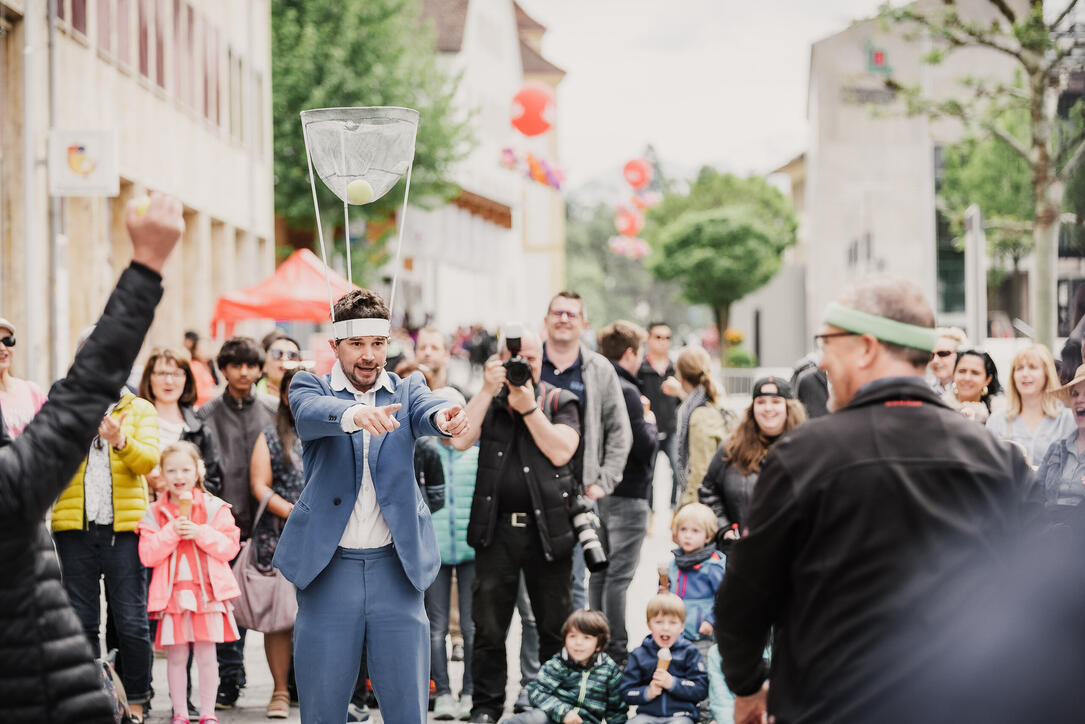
[[337, 501], [332, 418]]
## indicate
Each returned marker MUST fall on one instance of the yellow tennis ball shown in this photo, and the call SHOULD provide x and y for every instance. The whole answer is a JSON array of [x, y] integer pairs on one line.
[[359, 191], [141, 207]]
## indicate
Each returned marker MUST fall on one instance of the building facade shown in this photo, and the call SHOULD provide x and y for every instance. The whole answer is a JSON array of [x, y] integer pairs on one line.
[[497, 250], [186, 87]]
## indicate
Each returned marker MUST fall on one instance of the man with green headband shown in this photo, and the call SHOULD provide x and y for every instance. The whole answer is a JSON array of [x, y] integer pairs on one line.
[[858, 518]]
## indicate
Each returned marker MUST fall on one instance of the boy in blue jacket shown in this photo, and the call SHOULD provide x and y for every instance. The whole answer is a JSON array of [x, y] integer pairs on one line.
[[665, 676]]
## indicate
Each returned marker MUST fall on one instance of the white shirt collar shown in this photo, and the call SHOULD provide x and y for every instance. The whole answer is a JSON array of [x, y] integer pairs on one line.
[[340, 382]]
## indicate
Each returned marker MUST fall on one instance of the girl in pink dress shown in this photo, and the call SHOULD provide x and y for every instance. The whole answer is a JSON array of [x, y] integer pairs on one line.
[[188, 538]]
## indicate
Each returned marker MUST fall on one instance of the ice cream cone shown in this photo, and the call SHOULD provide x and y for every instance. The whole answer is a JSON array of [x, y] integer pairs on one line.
[[664, 660], [664, 569], [184, 504]]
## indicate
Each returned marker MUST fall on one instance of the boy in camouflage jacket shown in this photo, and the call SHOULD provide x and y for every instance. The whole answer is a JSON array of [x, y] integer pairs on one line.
[[580, 684]]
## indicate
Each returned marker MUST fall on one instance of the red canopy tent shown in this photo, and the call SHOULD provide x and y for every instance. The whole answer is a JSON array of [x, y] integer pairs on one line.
[[297, 290]]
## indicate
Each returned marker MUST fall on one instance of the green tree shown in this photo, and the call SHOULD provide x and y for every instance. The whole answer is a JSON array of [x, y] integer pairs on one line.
[[722, 240], [327, 53], [1053, 150]]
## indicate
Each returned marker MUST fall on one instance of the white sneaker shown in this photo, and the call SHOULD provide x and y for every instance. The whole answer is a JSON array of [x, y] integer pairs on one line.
[[357, 713], [464, 712], [445, 707]]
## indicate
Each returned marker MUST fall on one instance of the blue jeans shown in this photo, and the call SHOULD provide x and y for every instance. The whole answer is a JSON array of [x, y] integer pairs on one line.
[[580, 573], [649, 719], [626, 520], [438, 598], [85, 558]]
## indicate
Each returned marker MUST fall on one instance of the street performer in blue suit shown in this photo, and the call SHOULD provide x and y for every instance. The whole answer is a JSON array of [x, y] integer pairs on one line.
[[359, 544]]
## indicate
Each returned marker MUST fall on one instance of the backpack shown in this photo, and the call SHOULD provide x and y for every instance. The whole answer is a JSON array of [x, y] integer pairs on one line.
[[113, 687]]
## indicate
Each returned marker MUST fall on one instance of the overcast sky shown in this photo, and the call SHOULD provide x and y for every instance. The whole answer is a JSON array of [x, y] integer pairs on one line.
[[721, 82]]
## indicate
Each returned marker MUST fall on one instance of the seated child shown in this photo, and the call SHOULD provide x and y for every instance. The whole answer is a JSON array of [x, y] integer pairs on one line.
[[665, 676], [580, 684]]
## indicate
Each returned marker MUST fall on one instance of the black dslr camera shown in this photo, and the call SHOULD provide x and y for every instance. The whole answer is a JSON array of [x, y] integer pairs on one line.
[[586, 527], [517, 369]]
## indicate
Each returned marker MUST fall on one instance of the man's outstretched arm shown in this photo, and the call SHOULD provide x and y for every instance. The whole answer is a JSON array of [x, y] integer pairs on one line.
[[39, 464]]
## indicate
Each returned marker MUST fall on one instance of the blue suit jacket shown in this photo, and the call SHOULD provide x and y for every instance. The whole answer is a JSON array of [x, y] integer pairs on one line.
[[333, 477]]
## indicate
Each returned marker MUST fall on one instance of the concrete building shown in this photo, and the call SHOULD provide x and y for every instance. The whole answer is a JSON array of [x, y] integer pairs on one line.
[[496, 252], [186, 85]]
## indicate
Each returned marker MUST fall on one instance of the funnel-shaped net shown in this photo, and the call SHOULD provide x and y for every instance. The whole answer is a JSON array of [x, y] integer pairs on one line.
[[373, 144]]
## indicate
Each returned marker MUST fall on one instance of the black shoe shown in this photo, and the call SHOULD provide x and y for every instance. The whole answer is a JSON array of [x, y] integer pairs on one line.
[[522, 702], [457, 652], [481, 718], [193, 712], [228, 692]]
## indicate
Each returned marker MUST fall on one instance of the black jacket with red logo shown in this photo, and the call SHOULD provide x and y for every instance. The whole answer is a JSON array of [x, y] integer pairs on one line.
[[859, 518]]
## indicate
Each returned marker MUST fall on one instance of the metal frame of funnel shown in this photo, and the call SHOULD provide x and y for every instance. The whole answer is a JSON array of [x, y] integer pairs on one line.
[[360, 115]]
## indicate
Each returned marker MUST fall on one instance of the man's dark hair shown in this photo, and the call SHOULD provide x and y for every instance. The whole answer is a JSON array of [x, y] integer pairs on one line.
[[361, 304], [653, 325], [616, 338], [592, 623], [567, 294], [240, 351], [897, 299]]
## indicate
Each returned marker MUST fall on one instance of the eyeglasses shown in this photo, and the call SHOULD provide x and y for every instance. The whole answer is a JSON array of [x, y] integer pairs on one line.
[[819, 339], [288, 354], [944, 352], [560, 313], [175, 375], [8, 341]]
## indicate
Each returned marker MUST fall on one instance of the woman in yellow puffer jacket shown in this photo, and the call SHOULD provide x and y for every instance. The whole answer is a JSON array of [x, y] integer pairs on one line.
[[93, 525]]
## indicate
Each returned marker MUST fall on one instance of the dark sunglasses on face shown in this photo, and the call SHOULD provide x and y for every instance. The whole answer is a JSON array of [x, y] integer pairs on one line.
[[8, 341], [944, 353], [288, 354]]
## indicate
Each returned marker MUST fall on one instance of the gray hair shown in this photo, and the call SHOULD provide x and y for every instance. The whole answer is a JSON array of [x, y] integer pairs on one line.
[[897, 299]]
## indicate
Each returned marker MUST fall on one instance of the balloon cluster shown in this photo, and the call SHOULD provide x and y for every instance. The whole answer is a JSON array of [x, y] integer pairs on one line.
[[629, 217], [536, 169]]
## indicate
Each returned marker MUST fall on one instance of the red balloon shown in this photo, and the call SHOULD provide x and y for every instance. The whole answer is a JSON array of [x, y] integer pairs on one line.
[[638, 173], [533, 109], [629, 221]]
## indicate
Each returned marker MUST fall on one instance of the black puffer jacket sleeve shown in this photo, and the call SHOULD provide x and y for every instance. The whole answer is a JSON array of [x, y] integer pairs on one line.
[[37, 467]]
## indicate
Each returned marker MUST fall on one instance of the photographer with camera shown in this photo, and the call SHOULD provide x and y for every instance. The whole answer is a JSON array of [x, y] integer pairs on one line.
[[520, 513]]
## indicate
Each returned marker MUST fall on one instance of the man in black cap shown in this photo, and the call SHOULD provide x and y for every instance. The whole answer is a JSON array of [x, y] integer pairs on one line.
[[860, 517]]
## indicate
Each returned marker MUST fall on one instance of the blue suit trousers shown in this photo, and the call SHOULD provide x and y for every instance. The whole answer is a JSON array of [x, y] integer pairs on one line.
[[362, 598]]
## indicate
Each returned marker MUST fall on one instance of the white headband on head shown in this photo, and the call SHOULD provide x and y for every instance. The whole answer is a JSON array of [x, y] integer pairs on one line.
[[347, 328]]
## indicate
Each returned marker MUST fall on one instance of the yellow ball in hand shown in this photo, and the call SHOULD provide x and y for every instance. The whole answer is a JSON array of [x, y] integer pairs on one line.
[[141, 206], [359, 191]]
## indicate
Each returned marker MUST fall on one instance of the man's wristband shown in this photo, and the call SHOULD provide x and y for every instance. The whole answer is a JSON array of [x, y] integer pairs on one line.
[[532, 410]]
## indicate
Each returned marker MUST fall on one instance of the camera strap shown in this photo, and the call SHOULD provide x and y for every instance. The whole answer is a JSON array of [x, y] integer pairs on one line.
[[550, 400]]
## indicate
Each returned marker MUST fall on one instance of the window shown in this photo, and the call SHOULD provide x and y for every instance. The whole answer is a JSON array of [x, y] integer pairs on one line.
[[60, 9], [79, 15], [237, 97], [105, 25], [180, 49], [124, 31], [211, 75], [160, 44], [257, 110], [144, 38]]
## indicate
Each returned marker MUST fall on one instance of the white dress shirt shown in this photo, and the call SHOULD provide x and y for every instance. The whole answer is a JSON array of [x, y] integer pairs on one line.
[[366, 527]]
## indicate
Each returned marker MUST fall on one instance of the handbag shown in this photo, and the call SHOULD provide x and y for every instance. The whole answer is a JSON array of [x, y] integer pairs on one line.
[[268, 602]]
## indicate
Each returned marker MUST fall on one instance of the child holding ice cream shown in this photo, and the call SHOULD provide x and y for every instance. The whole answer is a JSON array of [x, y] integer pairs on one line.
[[188, 537], [579, 685], [665, 676]]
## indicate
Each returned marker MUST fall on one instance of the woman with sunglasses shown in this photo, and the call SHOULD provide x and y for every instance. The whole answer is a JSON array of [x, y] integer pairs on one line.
[[170, 385], [1034, 418], [950, 339], [975, 385], [280, 352], [20, 399]]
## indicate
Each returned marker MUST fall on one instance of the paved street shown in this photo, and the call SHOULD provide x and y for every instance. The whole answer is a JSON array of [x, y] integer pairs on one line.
[[256, 695]]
